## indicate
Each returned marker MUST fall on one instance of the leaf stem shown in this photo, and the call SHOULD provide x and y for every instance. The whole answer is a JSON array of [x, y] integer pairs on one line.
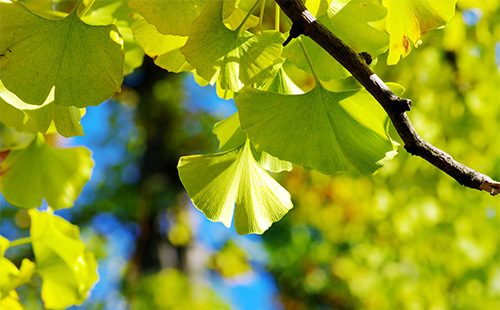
[[19, 241], [82, 7], [261, 13], [306, 55], [247, 16], [277, 23]]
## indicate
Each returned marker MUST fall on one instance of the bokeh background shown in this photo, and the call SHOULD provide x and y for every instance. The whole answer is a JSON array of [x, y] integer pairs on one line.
[[408, 237]]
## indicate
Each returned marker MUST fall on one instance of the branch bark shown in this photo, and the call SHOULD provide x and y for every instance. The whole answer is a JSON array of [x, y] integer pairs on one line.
[[303, 22]]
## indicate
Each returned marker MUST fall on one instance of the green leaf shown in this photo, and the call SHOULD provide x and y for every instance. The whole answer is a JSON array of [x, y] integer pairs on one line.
[[327, 131], [68, 272], [350, 22], [40, 171], [215, 182], [407, 21], [229, 133], [82, 63], [11, 139], [233, 60], [281, 83], [38, 118], [164, 49], [11, 302], [230, 136], [10, 276], [235, 11], [105, 12], [170, 17]]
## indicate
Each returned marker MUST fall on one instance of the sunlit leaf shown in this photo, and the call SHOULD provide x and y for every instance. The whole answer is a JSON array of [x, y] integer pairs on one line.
[[170, 17], [82, 63], [105, 12], [40, 171], [319, 7], [10, 276], [230, 135], [407, 21], [281, 83], [235, 11], [216, 182], [68, 272], [350, 22], [38, 118], [231, 59], [327, 131], [164, 49], [11, 139]]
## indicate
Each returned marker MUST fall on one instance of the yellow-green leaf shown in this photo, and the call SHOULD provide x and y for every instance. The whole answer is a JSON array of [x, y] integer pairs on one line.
[[170, 17], [105, 12], [231, 59], [407, 21], [82, 63], [40, 171], [327, 131], [68, 271], [216, 182], [163, 48], [38, 118]]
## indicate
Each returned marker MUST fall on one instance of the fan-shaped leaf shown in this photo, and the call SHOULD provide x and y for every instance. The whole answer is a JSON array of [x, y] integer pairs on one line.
[[409, 20], [170, 17], [82, 63], [323, 130], [68, 272], [40, 171], [38, 118], [164, 49], [231, 59], [216, 182]]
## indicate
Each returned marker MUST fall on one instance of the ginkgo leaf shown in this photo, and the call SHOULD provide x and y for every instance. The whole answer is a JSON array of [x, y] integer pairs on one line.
[[281, 83], [234, 13], [11, 139], [68, 272], [164, 49], [327, 131], [170, 17], [40, 171], [350, 22], [10, 276], [117, 12], [231, 59], [230, 136], [216, 182], [407, 21], [38, 118], [318, 7], [229, 133], [82, 63]]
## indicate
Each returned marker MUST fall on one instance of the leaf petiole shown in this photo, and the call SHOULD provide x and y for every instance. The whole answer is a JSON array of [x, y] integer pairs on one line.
[[82, 7], [247, 16], [261, 13], [19, 241], [277, 17], [306, 55]]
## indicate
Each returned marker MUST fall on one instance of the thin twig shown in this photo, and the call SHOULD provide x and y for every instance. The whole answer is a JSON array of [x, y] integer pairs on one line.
[[394, 106]]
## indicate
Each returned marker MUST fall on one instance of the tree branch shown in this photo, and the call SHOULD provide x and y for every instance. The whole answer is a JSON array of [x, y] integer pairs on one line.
[[303, 22]]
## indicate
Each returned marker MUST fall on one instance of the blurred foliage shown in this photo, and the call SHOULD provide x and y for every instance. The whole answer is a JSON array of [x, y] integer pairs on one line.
[[409, 237], [171, 289]]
